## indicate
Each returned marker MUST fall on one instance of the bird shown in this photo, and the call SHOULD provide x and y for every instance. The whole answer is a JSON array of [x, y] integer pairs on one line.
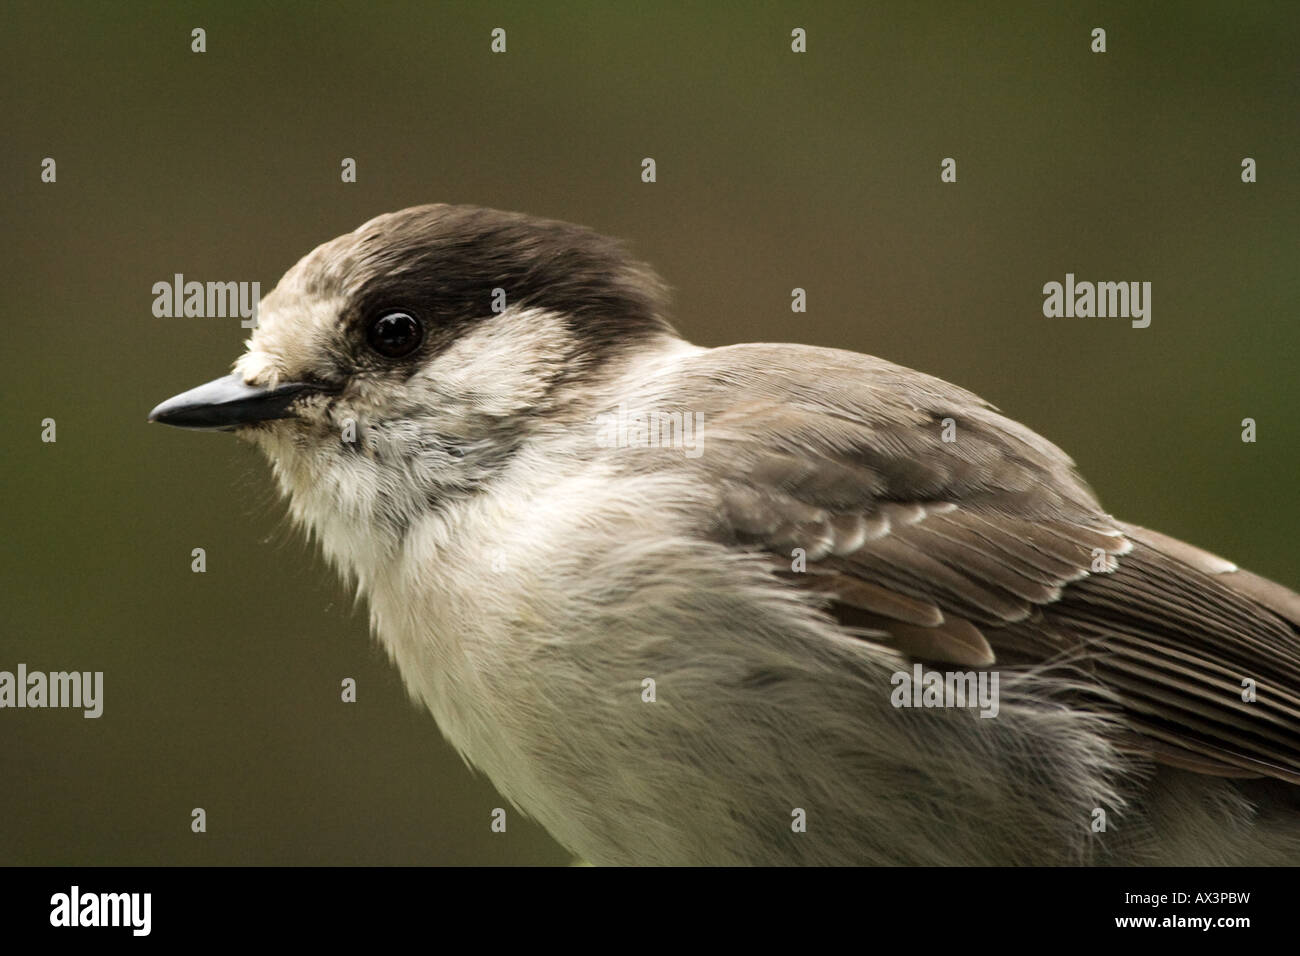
[[665, 596]]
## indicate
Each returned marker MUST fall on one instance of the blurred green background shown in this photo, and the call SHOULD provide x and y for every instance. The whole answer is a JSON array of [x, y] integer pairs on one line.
[[775, 170]]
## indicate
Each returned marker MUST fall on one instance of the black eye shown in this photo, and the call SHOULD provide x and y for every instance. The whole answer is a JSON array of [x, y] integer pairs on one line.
[[394, 334]]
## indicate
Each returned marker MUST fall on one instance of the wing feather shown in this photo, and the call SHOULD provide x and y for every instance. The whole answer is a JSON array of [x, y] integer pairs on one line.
[[990, 550]]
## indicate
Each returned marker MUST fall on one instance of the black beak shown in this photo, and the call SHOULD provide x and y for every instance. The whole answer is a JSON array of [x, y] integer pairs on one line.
[[226, 403]]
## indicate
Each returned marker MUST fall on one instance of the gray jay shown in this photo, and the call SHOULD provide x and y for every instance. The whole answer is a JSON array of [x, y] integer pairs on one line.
[[756, 604]]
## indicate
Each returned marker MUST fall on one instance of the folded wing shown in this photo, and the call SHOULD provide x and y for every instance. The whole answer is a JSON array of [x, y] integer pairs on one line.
[[938, 527]]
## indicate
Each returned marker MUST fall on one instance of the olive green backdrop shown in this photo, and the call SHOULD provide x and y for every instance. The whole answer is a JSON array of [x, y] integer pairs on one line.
[[775, 170]]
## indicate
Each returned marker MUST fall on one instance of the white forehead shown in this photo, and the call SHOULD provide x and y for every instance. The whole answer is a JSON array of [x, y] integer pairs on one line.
[[298, 318]]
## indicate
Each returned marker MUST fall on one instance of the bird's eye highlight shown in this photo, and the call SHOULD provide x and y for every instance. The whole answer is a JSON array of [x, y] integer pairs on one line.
[[394, 334]]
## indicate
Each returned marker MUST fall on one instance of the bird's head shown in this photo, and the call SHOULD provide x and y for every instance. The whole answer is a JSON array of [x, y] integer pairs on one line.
[[403, 364]]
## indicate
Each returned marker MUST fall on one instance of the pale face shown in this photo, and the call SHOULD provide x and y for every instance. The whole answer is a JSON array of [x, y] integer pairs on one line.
[[403, 364]]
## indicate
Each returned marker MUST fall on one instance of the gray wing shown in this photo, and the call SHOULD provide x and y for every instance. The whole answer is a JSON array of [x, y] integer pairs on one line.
[[988, 548]]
